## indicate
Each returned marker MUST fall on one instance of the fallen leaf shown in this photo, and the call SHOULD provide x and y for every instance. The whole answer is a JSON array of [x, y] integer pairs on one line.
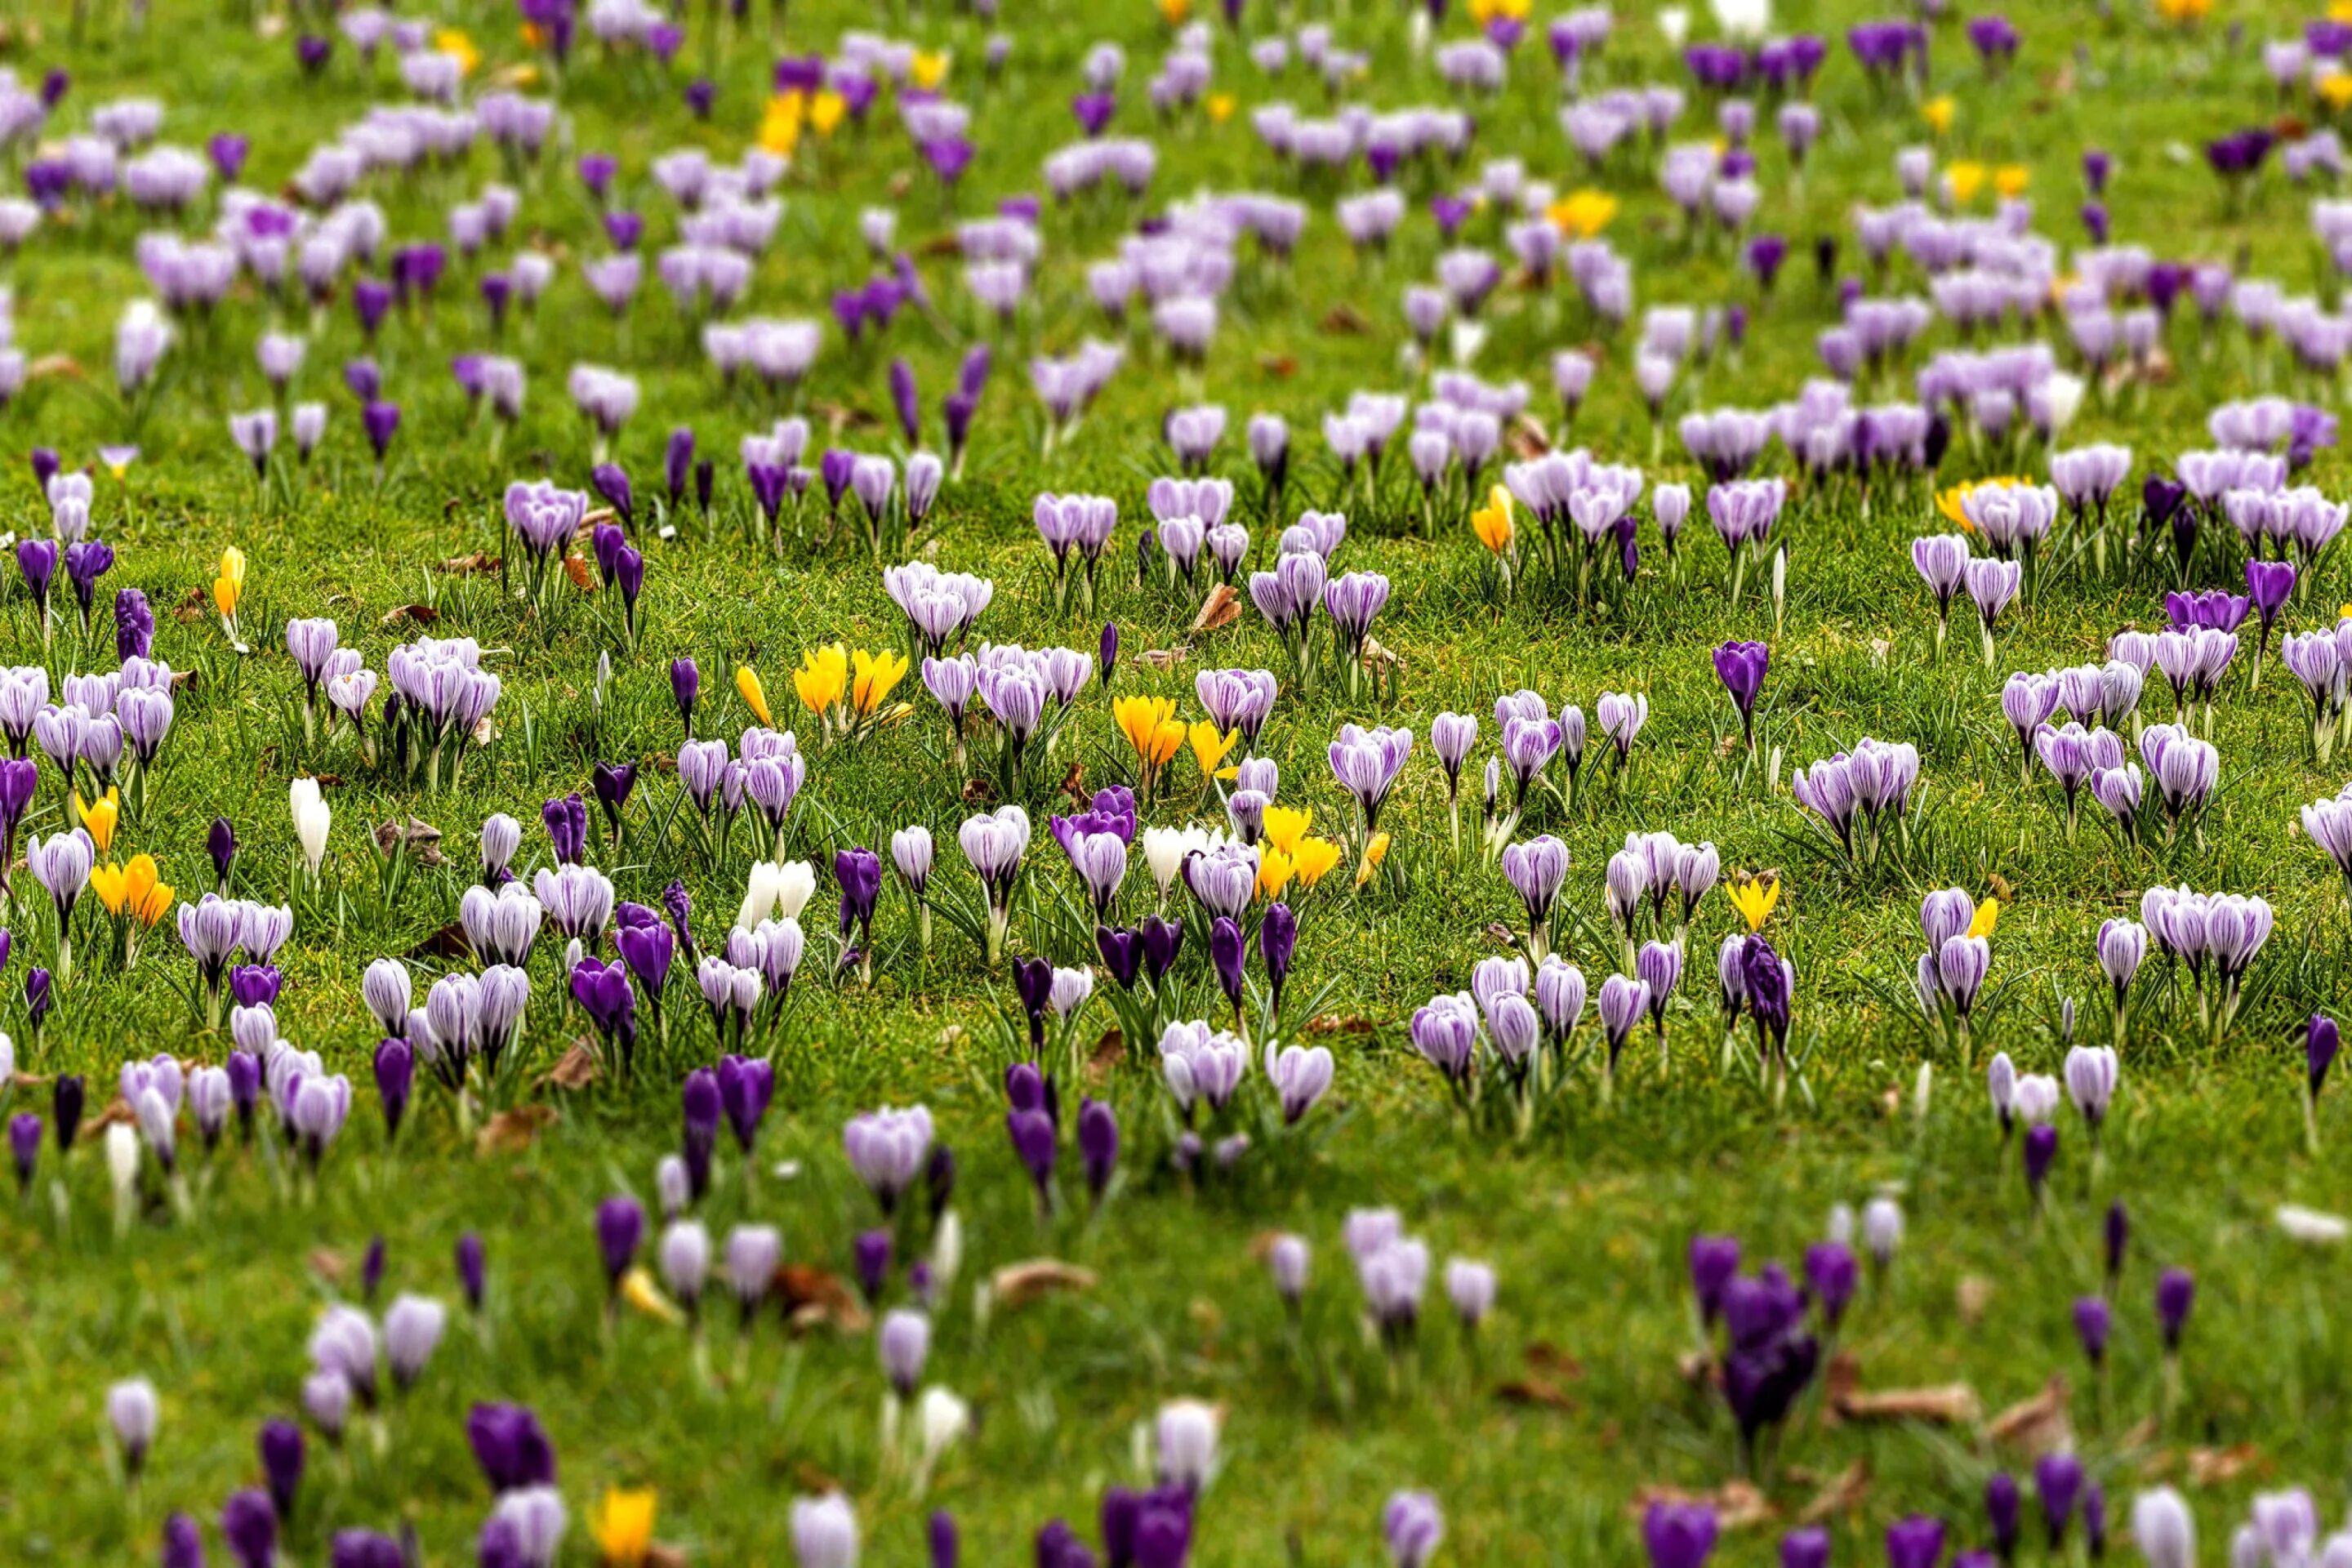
[[420, 614], [512, 1132], [1946, 1404], [192, 608], [1074, 785], [484, 731], [1110, 1051], [814, 1297], [1344, 320], [1541, 1391], [1332, 1024], [1528, 437], [979, 792], [950, 244], [116, 1110], [1843, 1493], [844, 416], [2217, 1467], [1280, 366], [1736, 1504], [2038, 1425], [1377, 657], [328, 1264], [577, 570], [1545, 1356], [1018, 1284], [449, 943], [660, 1556], [578, 1070], [1222, 608], [422, 839], [479, 561], [1166, 658], [48, 365]]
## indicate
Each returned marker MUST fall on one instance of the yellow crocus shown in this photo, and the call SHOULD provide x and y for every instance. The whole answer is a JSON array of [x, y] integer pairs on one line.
[[135, 890], [1756, 898], [623, 1525], [747, 685], [2339, 11], [1285, 825], [826, 112], [1987, 914], [1209, 748], [1964, 180], [1374, 853], [1491, 523], [1221, 108], [1937, 112], [98, 817], [875, 675], [1312, 860], [2334, 89], [927, 68], [779, 124], [2183, 11], [107, 882], [228, 586], [1583, 213], [1274, 870], [2010, 180], [637, 1288], [823, 677], [1173, 12], [452, 41], [1485, 11]]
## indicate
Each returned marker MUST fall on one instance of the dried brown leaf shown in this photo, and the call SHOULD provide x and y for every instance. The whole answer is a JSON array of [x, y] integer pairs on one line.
[[578, 1070], [1278, 365], [1335, 1024], [478, 561], [1845, 1492], [54, 364], [1222, 608], [1344, 320], [328, 1264], [2218, 1467], [1539, 1391], [1528, 437], [422, 839], [2038, 1425], [512, 1132], [1946, 1404], [577, 570], [814, 1297], [448, 944], [417, 615], [1545, 1356], [1018, 1284], [1108, 1052], [1166, 658]]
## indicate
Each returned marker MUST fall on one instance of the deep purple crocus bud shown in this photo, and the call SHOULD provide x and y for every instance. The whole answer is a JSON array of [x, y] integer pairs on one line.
[[705, 474], [221, 843], [685, 686], [2058, 1478], [1806, 1548], [1098, 1144], [746, 1086], [371, 1269], [45, 467], [381, 420], [903, 397], [1228, 954], [395, 1072], [281, 1462], [945, 1546], [677, 463], [248, 1525], [1162, 941], [2117, 1236], [2040, 1153], [859, 872], [2176, 1292], [612, 783], [939, 1179], [870, 1255], [183, 1542], [2093, 1323], [1833, 1271], [2004, 1508], [1277, 935], [1035, 1145], [2321, 1040], [620, 1225], [472, 1269], [1109, 660], [703, 1108], [612, 482], [66, 1097], [24, 1147], [1714, 1259], [135, 624]]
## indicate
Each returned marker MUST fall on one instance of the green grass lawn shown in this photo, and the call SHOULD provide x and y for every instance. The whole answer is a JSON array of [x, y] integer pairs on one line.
[[1537, 1436]]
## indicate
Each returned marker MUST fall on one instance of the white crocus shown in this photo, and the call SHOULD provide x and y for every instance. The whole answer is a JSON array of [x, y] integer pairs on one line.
[[760, 895], [123, 1168], [793, 888], [1674, 21], [2311, 1224], [1745, 19], [311, 817], [942, 1420]]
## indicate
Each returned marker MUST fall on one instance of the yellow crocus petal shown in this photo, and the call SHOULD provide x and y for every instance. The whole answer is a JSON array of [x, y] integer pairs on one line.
[[747, 685], [1756, 899], [927, 68], [1286, 826], [107, 882], [1374, 853], [823, 677], [780, 125], [454, 42], [877, 675], [640, 1291], [99, 818], [1166, 741], [2011, 179], [1143, 720], [1964, 179], [1209, 748], [826, 112], [1937, 112], [1221, 108], [1583, 213], [1987, 913], [1491, 523], [151, 909], [623, 1525], [229, 586], [1274, 870], [1313, 859], [1173, 12]]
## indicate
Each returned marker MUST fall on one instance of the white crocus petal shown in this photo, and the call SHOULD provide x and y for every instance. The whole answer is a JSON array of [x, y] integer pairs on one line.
[[759, 894], [312, 816], [2311, 1224], [1744, 19], [1468, 337], [1674, 21], [123, 1155], [1163, 851], [947, 1250], [2063, 395], [942, 1419], [794, 886]]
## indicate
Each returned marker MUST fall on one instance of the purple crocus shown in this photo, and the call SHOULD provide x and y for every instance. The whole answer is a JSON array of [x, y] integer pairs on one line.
[[1741, 666], [620, 1226]]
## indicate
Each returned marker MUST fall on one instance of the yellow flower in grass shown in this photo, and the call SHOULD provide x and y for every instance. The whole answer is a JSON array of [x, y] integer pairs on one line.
[[1313, 859], [1583, 213], [1964, 180], [1285, 825], [1485, 11], [1209, 748], [1491, 523], [1221, 108], [1937, 112], [1987, 913], [780, 123], [877, 674], [1374, 853], [623, 1525], [2339, 11], [135, 890], [823, 677], [98, 817], [826, 112], [1173, 12], [2334, 89], [1274, 870], [638, 1290], [1151, 726], [229, 586], [452, 41], [927, 68], [747, 685], [2180, 12], [1756, 898], [2010, 180]]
